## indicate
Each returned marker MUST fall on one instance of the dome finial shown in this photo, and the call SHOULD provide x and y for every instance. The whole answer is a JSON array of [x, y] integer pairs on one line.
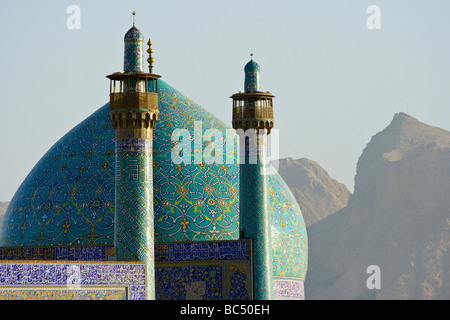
[[134, 13]]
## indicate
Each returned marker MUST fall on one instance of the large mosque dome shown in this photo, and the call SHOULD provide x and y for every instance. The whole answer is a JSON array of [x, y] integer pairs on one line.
[[68, 197]]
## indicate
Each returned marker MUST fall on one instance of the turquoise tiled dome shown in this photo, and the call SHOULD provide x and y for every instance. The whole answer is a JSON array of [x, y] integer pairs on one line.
[[133, 34], [251, 65], [68, 197]]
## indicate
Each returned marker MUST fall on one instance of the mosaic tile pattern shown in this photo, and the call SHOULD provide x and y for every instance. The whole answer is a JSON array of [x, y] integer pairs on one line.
[[189, 282], [72, 253], [221, 280], [83, 253], [32, 293], [288, 289], [255, 222], [46, 275], [164, 252], [289, 238], [194, 202], [134, 236], [203, 271], [239, 281], [201, 251], [26, 253], [68, 197]]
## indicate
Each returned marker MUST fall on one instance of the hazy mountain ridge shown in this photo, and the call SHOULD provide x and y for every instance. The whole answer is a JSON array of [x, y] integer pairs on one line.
[[398, 218], [317, 194]]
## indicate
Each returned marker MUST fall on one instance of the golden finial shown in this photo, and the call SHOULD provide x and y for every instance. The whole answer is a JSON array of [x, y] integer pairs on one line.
[[150, 59], [134, 13]]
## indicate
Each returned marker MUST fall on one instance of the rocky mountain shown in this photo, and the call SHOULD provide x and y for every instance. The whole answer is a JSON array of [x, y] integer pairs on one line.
[[317, 194], [398, 219]]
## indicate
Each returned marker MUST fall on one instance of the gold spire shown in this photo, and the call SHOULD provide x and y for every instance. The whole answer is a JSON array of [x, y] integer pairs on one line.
[[134, 13], [150, 56]]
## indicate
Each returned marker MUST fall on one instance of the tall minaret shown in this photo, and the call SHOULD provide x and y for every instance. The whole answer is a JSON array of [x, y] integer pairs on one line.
[[133, 113], [253, 119]]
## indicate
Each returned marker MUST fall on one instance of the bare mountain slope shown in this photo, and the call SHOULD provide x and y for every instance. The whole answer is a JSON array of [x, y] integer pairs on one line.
[[317, 194], [398, 219]]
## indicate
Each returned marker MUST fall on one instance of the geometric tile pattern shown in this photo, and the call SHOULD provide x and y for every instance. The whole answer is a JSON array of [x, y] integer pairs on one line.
[[289, 238], [189, 282], [164, 252], [189, 270], [42, 276], [286, 289], [204, 271], [214, 280], [72, 253], [193, 201], [255, 222], [239, 281], [201, 251], [196, 280], [83, 253], [68, 197], [134, 236], [27, 253], [61, 293]]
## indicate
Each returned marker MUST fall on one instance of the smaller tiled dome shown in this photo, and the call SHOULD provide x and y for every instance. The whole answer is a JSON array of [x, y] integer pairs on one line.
[[134, 34], [251, 66], [133, 60]]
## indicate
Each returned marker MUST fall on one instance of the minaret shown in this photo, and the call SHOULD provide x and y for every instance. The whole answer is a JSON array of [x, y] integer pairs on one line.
[[253, 119], [133, 113]]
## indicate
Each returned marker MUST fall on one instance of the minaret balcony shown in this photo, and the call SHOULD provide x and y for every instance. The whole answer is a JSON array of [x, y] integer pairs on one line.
[[142, 101]]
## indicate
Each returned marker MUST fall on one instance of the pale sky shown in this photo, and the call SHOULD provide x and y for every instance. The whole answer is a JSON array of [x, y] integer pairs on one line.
[[337, 82]]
